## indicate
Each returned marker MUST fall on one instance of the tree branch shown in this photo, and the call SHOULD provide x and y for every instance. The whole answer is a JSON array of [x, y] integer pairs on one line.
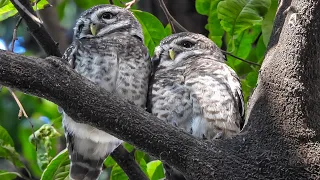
[[281, 140], [36, 29], [81, 99], [126, 161]]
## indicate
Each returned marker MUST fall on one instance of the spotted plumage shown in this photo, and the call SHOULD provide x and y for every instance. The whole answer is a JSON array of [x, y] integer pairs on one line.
[[194, 89], [108, 50]]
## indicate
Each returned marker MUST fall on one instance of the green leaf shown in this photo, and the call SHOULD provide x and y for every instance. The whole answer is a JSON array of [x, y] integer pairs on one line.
[[42, 138], [260, 50], [155, 170], [117, 173], [203, 6], [9, 153], [4, 175], [153, 29], [3, 3], [267, 23], [139, 157], [7, 150], [28, 150], [61, 7], [58, 168], [209, 8], [86, 4], [9, 10], [252, 78], [5, 138], [57, 122], [41, 4], [168, 30], [239, 15], [128, 146], [109, 162], [243, 44]]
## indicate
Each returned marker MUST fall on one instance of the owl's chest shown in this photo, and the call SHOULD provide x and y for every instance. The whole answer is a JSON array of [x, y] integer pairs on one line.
[[115, 73]]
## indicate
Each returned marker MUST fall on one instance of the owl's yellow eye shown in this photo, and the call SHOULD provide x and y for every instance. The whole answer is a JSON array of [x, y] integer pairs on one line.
[[107, 15]]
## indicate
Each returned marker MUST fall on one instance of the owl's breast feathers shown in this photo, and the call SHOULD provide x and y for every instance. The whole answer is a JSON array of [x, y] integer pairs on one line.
[[201, 96], [120, 64]]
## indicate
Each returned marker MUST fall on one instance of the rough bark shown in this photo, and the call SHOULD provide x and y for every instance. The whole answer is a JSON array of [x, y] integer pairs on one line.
[[280, 141]]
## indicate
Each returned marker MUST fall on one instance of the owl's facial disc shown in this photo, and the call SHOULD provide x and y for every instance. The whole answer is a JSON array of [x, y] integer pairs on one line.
[[103, 20]]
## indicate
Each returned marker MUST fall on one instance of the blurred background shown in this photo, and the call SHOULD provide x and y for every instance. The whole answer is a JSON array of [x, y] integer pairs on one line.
[[59, 21]]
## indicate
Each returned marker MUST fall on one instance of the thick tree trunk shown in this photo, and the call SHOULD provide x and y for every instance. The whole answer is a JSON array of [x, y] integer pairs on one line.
[[280, 141]]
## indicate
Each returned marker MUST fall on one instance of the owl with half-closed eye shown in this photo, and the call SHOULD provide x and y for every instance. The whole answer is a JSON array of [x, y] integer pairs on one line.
[[193, 88], [107, 49]]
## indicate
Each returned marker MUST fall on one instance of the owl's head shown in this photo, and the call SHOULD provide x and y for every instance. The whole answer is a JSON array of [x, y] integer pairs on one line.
[[102, 20], [185, 46]]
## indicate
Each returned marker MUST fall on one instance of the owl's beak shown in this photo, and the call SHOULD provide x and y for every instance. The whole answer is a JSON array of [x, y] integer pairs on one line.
[[93, 29], [171, 54]]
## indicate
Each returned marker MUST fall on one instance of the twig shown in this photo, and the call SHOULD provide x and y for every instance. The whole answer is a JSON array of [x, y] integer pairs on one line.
[[129, 4], [128, 164], [37, 30], [170, 18], [111, 1], [14, 38], [22, 112], [234, 56], [37, 10], [165, 10], [14, 34], [33, 17]]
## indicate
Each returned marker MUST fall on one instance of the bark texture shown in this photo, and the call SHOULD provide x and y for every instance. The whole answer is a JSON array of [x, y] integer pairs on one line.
[[280, 141]]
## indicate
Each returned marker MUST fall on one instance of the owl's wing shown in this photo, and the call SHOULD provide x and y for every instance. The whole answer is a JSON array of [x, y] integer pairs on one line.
[[69, 54], [151, 82], [239, 98]]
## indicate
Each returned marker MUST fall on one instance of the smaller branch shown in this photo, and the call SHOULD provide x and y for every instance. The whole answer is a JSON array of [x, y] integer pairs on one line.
[[37, 10], [170, 18], [128, 164], [14, 34], [14, 38], [36, 29], [129, 4], [22, 112], [111, 1], [33, 17], [234, 56]]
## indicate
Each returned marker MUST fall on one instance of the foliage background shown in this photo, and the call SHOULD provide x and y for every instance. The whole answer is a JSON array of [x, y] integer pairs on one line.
[[240, 27]]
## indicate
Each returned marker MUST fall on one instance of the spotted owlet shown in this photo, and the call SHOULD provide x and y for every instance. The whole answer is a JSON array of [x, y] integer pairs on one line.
[[194, 89], [107, 49]]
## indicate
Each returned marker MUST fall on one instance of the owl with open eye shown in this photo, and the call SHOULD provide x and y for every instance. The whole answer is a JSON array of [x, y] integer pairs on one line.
[[195, 90], [107, 49]]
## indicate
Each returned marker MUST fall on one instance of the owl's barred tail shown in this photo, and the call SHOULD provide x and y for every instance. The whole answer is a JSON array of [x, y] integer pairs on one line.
[[84, 169]]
